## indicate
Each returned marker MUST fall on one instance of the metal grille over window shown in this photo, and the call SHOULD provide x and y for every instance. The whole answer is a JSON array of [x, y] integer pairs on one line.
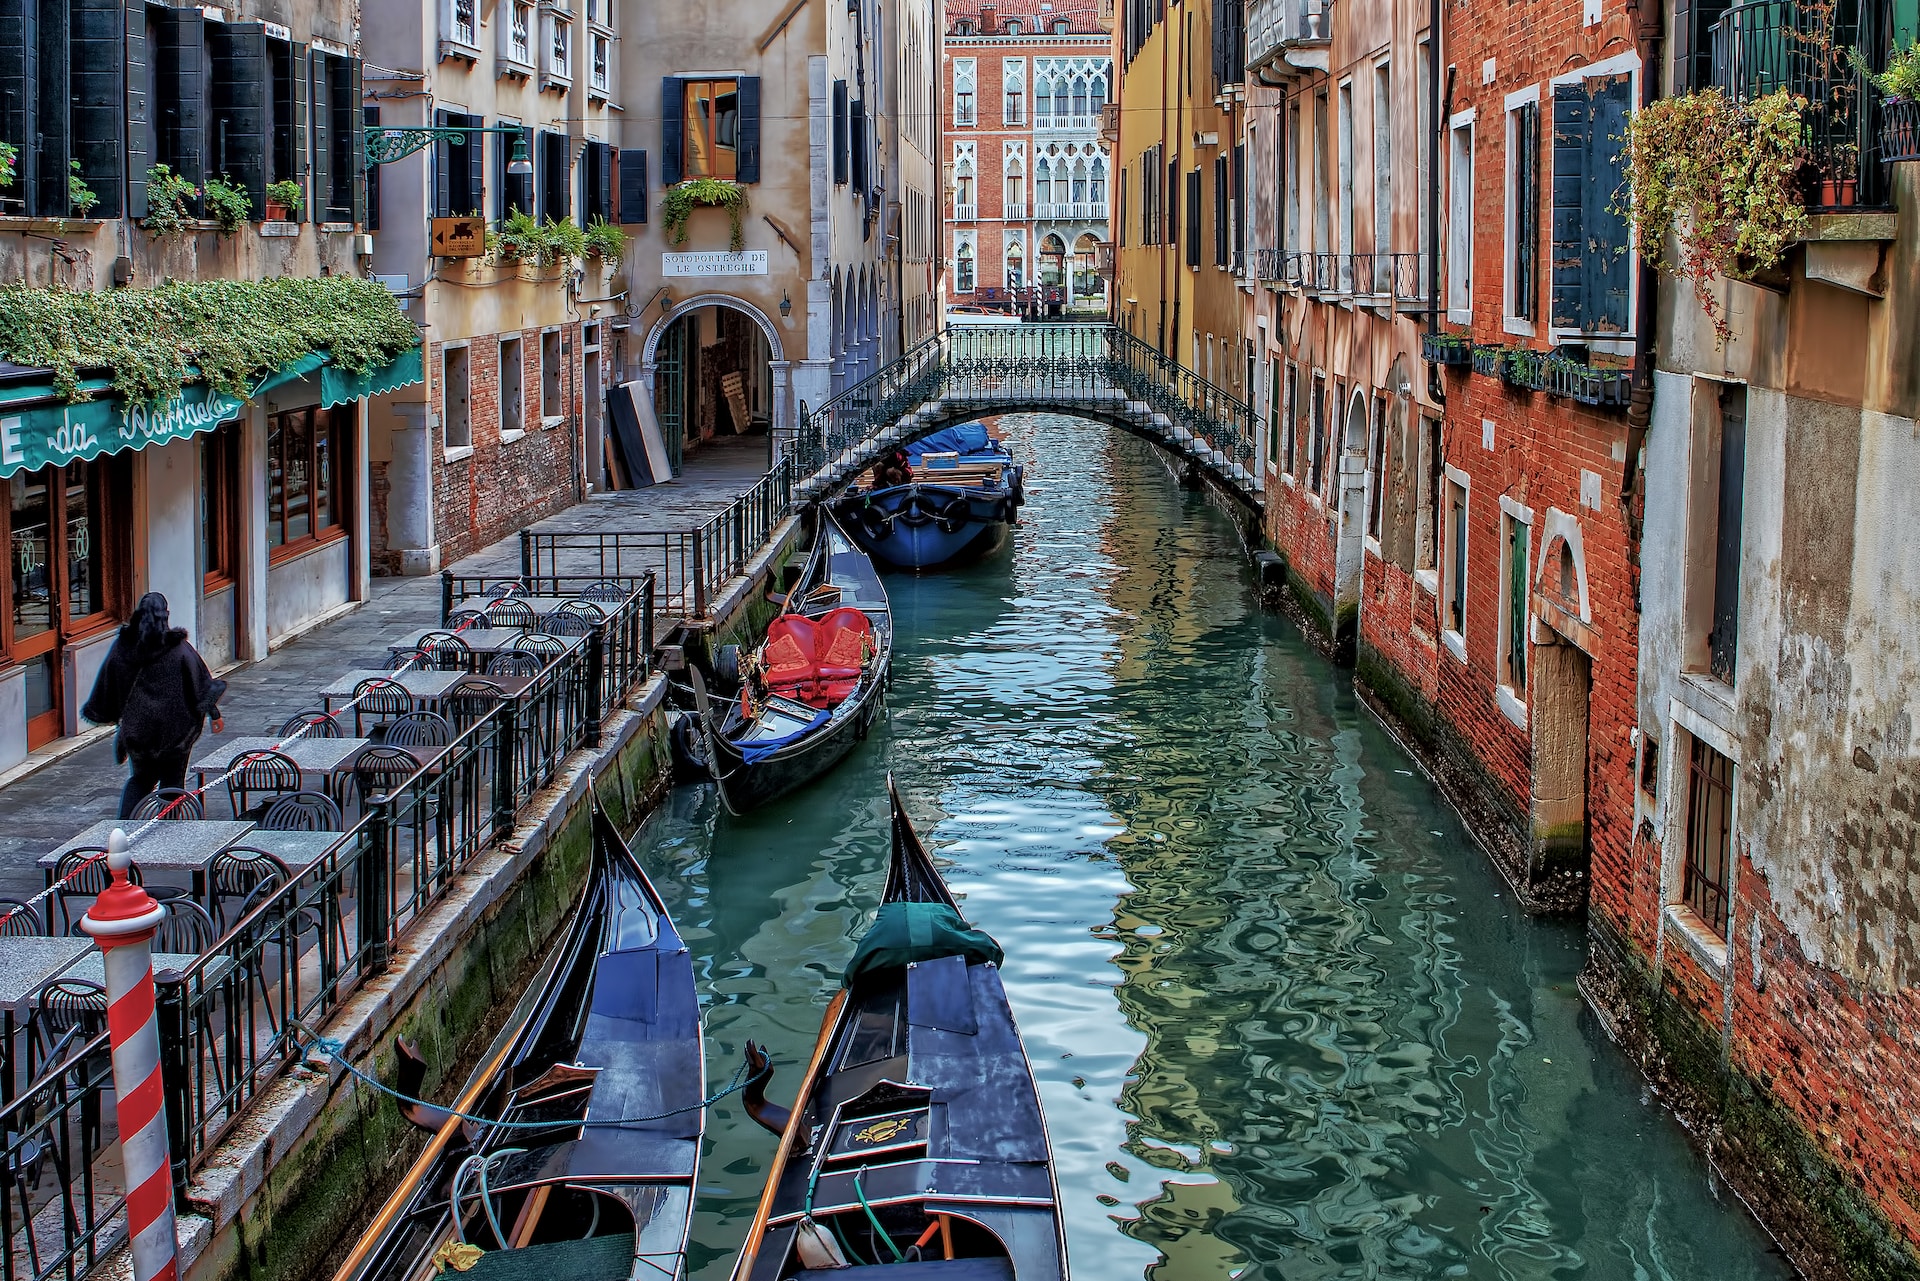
[[1709, 836]]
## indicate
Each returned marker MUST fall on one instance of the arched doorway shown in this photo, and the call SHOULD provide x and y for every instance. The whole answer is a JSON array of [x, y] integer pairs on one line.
[[717, 375], [1087, 284], [1350, 550]]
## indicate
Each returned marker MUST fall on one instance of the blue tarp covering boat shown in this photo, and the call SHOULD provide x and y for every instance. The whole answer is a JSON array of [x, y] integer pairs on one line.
[[946, 498]]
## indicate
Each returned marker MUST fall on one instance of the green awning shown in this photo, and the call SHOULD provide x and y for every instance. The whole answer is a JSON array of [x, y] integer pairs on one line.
[[38, 429]]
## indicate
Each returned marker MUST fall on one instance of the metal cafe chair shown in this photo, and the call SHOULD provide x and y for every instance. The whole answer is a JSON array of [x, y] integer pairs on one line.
[[447, 652], [89, 879], [565, 622], [511, 614], [378, 700], [514, 662], [239, 872], [606, 590], [303, 811], [547, 646], [253, 777], [419, 729], [19, 920], [380, 769], [311, 725], [508, 587], [60, 1008], [186, 928], [170, 803], [465, 617], [409, 660], [468, 701]]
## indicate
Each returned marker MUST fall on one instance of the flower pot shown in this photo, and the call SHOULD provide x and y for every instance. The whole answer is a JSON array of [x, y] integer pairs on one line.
[[1839, 193], [277, 212]]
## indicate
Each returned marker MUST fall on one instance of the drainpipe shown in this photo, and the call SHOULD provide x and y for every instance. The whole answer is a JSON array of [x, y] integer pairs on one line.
[[1442, 102], [1651, 38]]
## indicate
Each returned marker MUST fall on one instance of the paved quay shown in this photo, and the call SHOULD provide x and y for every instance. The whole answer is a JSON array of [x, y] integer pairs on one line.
[[49, 806]]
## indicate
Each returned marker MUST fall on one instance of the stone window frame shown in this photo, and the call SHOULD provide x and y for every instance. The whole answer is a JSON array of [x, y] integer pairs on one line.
[[450, 450], [518, 429], [1511, 321], [1459, 243], [1679, 921]]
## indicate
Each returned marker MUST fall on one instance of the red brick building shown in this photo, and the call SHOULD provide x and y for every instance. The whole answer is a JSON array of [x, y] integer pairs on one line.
[[1028, 176]]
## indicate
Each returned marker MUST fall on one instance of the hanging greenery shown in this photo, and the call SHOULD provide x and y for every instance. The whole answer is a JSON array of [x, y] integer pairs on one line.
[[233, 331], [1900, 82], [167, 196], [605, 241], [79, 194], [678, 204], [523, 238], [1725, 176], [228, 204], [8, 155]]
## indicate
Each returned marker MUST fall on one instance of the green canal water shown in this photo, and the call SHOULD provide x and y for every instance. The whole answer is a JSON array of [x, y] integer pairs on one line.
[[1286, 1021]]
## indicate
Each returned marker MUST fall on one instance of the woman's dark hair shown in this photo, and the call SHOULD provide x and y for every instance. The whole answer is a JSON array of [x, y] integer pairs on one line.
[[146, 631]]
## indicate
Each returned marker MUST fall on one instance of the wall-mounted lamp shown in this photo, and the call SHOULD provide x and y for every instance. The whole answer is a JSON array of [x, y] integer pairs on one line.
[[786, 304], [518, 163], [666, 299]]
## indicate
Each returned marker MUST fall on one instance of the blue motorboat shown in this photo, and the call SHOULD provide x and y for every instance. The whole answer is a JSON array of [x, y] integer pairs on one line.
[[944, 499]]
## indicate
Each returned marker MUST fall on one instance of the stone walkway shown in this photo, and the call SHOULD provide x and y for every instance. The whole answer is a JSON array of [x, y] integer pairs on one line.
[[50, 805]]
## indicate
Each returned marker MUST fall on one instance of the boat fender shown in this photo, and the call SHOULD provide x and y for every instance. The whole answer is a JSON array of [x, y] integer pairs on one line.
[[689, 751], [817, 1248], [410, 1078], [917, 510], [753, 1095], [726, 665], [877, 523], [955, 515]]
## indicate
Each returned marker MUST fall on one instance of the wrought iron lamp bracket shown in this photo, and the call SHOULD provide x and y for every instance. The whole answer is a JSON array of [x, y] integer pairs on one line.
[[390, 143]]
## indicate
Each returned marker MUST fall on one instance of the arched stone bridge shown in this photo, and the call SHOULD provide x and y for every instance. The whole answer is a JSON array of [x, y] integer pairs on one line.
[[1095, 371]]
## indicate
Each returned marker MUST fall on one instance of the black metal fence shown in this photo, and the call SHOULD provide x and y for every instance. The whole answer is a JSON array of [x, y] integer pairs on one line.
[[690, 566], [1801, 46], [57, 1216]]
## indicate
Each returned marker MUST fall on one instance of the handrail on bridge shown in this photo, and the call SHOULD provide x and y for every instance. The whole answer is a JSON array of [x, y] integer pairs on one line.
[[1069, 366]]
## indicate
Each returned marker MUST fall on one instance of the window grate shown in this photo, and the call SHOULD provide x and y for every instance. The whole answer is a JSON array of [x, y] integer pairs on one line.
[[1709, 836]]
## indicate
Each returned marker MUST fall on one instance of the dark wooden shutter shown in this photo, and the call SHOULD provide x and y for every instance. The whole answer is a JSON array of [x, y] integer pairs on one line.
[[1572, 129], [50, 145], [1219, 211], [839, 133], [370, 118], [858, 121], [320, 73], [673, 123], [747, 160], [1171, 194], [180, 109], [1526, 210], [516, 190], [139, 107], [603, 181], [1193, 218], [19, 107], [241, 107], [476, 167], [554, 196], [296, 105], [1608, 264], [355, 127], [443, 167], [1239, 212], [98, 119], [633, 186]]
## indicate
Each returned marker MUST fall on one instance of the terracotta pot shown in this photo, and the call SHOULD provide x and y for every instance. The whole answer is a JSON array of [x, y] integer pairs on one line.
[[1839, 192], [277, 212]]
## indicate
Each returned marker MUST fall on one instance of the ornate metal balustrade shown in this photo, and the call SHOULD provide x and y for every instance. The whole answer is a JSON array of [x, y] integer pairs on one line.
[[1093, 369]]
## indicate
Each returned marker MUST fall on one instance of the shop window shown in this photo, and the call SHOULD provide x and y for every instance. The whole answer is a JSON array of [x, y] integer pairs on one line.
[[65, 573], [552, 399], [512, 388], [220, 505], [456, 397], [306, 454], [1707, 878]]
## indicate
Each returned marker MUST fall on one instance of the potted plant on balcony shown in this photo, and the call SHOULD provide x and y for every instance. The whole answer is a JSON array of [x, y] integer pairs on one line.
[[284, 200], [81, 196], [1899, 87], [228, 203], [1724, 179], [1486, 359], [606, 242], [1447, 349], [680, 201], [1521, 368], [167, 197], [9, 156]]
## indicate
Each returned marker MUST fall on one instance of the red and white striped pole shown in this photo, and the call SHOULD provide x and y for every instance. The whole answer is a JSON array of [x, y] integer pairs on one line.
[[122, 922]]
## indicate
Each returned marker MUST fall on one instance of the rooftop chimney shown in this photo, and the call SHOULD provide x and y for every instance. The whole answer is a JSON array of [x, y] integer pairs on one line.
[[987, 15]]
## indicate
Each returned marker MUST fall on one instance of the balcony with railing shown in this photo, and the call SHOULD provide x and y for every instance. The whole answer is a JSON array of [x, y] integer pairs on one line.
[[1071, 211], [965, 211], [1801, 46], [1295, 34], [1065, 122], [1014, 211], [1377, 278]]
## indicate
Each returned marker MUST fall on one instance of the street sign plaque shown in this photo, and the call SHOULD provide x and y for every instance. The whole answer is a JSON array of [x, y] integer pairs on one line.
[[459, 237]]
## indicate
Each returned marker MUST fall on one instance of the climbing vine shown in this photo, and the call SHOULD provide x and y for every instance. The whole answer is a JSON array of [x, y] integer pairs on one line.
[[678, 204], [233, 331], [1724, 176]]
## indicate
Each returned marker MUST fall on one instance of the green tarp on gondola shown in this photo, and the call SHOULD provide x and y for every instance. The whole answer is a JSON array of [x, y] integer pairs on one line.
[[39, 429]]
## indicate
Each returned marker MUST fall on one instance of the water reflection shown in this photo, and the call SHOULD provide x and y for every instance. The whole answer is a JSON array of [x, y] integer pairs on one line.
[[1284, 1023]]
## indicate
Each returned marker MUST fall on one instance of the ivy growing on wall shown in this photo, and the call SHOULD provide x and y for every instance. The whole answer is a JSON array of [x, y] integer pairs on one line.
[[233, 331], [678, 204]]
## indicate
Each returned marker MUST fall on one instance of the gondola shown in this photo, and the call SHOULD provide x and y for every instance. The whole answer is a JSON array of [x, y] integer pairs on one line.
[[594, 1096], [811, 690], [916, 1148], [943, 500]]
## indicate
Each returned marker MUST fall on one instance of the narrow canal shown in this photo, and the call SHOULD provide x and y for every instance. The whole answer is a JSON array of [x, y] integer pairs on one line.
[[1287, 1022]]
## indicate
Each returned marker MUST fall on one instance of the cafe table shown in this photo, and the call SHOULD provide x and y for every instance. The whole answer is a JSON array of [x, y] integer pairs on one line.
[[540, 605], [172, 845], [325, 758], [482, 640], [27, 964], [426, 687]]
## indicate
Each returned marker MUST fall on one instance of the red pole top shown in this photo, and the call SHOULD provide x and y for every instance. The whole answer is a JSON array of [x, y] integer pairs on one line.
[[124, 912]]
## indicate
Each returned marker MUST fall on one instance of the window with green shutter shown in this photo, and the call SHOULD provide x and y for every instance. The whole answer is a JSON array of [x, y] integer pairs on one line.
[[1592, 258], [241, 99]]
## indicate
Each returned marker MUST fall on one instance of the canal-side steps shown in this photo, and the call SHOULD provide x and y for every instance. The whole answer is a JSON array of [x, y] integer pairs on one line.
[[1099, 372]]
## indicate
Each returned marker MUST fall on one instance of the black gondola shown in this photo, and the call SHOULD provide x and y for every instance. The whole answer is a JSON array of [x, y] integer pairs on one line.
[[917, 1147], [585, 1168], [812, 689]]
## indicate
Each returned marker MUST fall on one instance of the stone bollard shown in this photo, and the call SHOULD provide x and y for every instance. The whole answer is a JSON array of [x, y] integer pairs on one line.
[[122, 922]]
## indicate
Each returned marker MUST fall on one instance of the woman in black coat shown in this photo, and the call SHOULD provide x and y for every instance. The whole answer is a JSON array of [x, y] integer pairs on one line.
[[158, 689]]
